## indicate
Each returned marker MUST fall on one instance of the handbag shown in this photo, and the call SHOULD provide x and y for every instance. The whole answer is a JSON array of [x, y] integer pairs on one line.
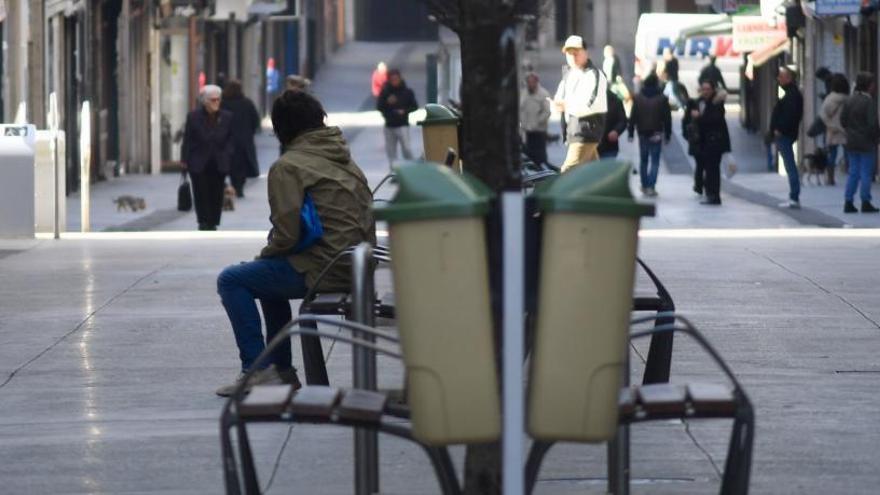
[[310, 228], [184, 194], [817, 128]]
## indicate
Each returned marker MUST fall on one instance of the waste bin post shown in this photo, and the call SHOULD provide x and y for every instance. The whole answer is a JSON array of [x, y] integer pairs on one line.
[[440, 133]]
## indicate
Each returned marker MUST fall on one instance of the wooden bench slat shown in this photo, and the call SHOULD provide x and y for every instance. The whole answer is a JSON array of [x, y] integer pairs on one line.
[[266, 400], [647, 302], [662, 398], [711, 398], [315, 400], [362, 405]]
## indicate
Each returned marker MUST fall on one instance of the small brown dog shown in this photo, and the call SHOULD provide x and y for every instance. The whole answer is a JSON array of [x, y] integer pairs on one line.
[[229, 198], [131, 203]]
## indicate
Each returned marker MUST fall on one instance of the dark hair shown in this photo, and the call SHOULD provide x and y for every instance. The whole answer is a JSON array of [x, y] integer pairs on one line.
[[710, 82], [823, 73], [394, 72], [295, 112], [232, 90], [651, 81], [864, 80], [793, 73], [839, 84]]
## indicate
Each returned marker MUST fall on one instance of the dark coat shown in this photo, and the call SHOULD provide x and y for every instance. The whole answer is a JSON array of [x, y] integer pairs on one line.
[[651, 113], [859, 120], [204, 143], [406, 101], [788, 112], [672, 69], [245, 123], [711, 126], [615, 120]]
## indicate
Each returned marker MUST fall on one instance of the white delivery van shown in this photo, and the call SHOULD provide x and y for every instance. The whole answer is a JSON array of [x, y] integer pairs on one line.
[[711, 35]]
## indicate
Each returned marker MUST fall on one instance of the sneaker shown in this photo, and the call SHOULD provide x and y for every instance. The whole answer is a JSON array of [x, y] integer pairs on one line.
[[794, 205], [711, 201], [849, 207], [867, 207], [290, 377], [261, 377], [698, 191], [652, 192]]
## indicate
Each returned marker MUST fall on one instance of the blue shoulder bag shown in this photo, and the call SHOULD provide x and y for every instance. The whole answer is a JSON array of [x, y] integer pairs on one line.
[[310, 228]]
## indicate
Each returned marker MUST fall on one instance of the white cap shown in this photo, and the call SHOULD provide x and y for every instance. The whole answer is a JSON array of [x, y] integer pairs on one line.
[[574, 42]]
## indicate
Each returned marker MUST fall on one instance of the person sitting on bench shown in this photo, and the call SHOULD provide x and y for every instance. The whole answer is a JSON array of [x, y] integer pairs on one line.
[[316, 169]]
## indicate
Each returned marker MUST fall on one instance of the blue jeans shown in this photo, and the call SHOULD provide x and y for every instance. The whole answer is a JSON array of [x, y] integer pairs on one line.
[[274, 282], [648, 149], [861, 169], [785, 145], [832, 156]]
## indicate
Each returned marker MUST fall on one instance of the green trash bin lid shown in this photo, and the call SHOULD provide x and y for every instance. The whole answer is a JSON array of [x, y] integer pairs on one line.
[[436, 114], [600, 187], [427, 190]]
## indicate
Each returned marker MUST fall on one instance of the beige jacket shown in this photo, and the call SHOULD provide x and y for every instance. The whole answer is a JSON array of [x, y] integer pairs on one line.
[[830, 115], [534, 110], [319, 162]]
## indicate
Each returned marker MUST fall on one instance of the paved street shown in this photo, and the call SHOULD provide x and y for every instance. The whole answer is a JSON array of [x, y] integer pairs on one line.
[[113, 343]]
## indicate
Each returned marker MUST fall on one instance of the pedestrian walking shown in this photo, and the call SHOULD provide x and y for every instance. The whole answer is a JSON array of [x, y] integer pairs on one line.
[[652, 118], [582, 98], [859, 120], [708, 138], [615, 126], [316, 173], [206, 152], [534, 112], [835, 135], [670, 75], [611, 64], [396, 101], [785, 122], [245, 124], [712, 73], [378, 79]]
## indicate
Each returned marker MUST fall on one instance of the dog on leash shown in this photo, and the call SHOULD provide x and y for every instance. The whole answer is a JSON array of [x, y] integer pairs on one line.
[[229, 198], [130, 203], [815, 164]]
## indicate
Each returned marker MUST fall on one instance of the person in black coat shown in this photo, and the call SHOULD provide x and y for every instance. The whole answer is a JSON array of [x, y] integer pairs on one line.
[[615, 124], [705, 127], [396, 101], [245, 124], [785, 121], [711, 72], [206, 153]]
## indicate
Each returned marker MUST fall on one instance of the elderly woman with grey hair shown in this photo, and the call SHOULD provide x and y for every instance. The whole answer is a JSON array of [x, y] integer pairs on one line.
[[206, 154]]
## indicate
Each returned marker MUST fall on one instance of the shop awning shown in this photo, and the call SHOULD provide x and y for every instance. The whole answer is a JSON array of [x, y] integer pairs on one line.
[[758, 57]]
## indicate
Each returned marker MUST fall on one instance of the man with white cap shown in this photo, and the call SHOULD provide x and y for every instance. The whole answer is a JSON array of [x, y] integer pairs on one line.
[[582, 99]]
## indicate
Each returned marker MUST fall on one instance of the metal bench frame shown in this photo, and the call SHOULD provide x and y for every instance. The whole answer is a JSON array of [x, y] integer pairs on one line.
[[240, 473], [735, 480]]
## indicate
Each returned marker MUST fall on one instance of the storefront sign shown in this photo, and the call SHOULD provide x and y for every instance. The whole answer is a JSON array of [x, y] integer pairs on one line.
[[838, 7], [752, 33]]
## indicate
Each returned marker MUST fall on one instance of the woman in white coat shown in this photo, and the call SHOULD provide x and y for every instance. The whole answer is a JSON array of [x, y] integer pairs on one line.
[[835, 136]]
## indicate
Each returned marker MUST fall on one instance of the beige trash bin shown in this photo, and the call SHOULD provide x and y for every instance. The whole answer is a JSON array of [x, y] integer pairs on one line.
[[590, 232], [441, 284], [440, 134]]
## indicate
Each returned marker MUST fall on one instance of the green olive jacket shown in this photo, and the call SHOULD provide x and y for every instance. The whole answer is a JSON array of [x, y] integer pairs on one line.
[[319, 162]]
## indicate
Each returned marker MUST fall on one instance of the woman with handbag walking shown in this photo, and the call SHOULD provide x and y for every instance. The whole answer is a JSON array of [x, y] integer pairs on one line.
[[206, 153], [835, 135], [708, 139]]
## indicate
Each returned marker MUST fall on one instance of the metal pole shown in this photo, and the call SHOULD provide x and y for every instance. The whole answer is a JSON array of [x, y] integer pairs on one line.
[[56, 180], [618, 449], [85, 158], [366, 442], [512, 207]]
